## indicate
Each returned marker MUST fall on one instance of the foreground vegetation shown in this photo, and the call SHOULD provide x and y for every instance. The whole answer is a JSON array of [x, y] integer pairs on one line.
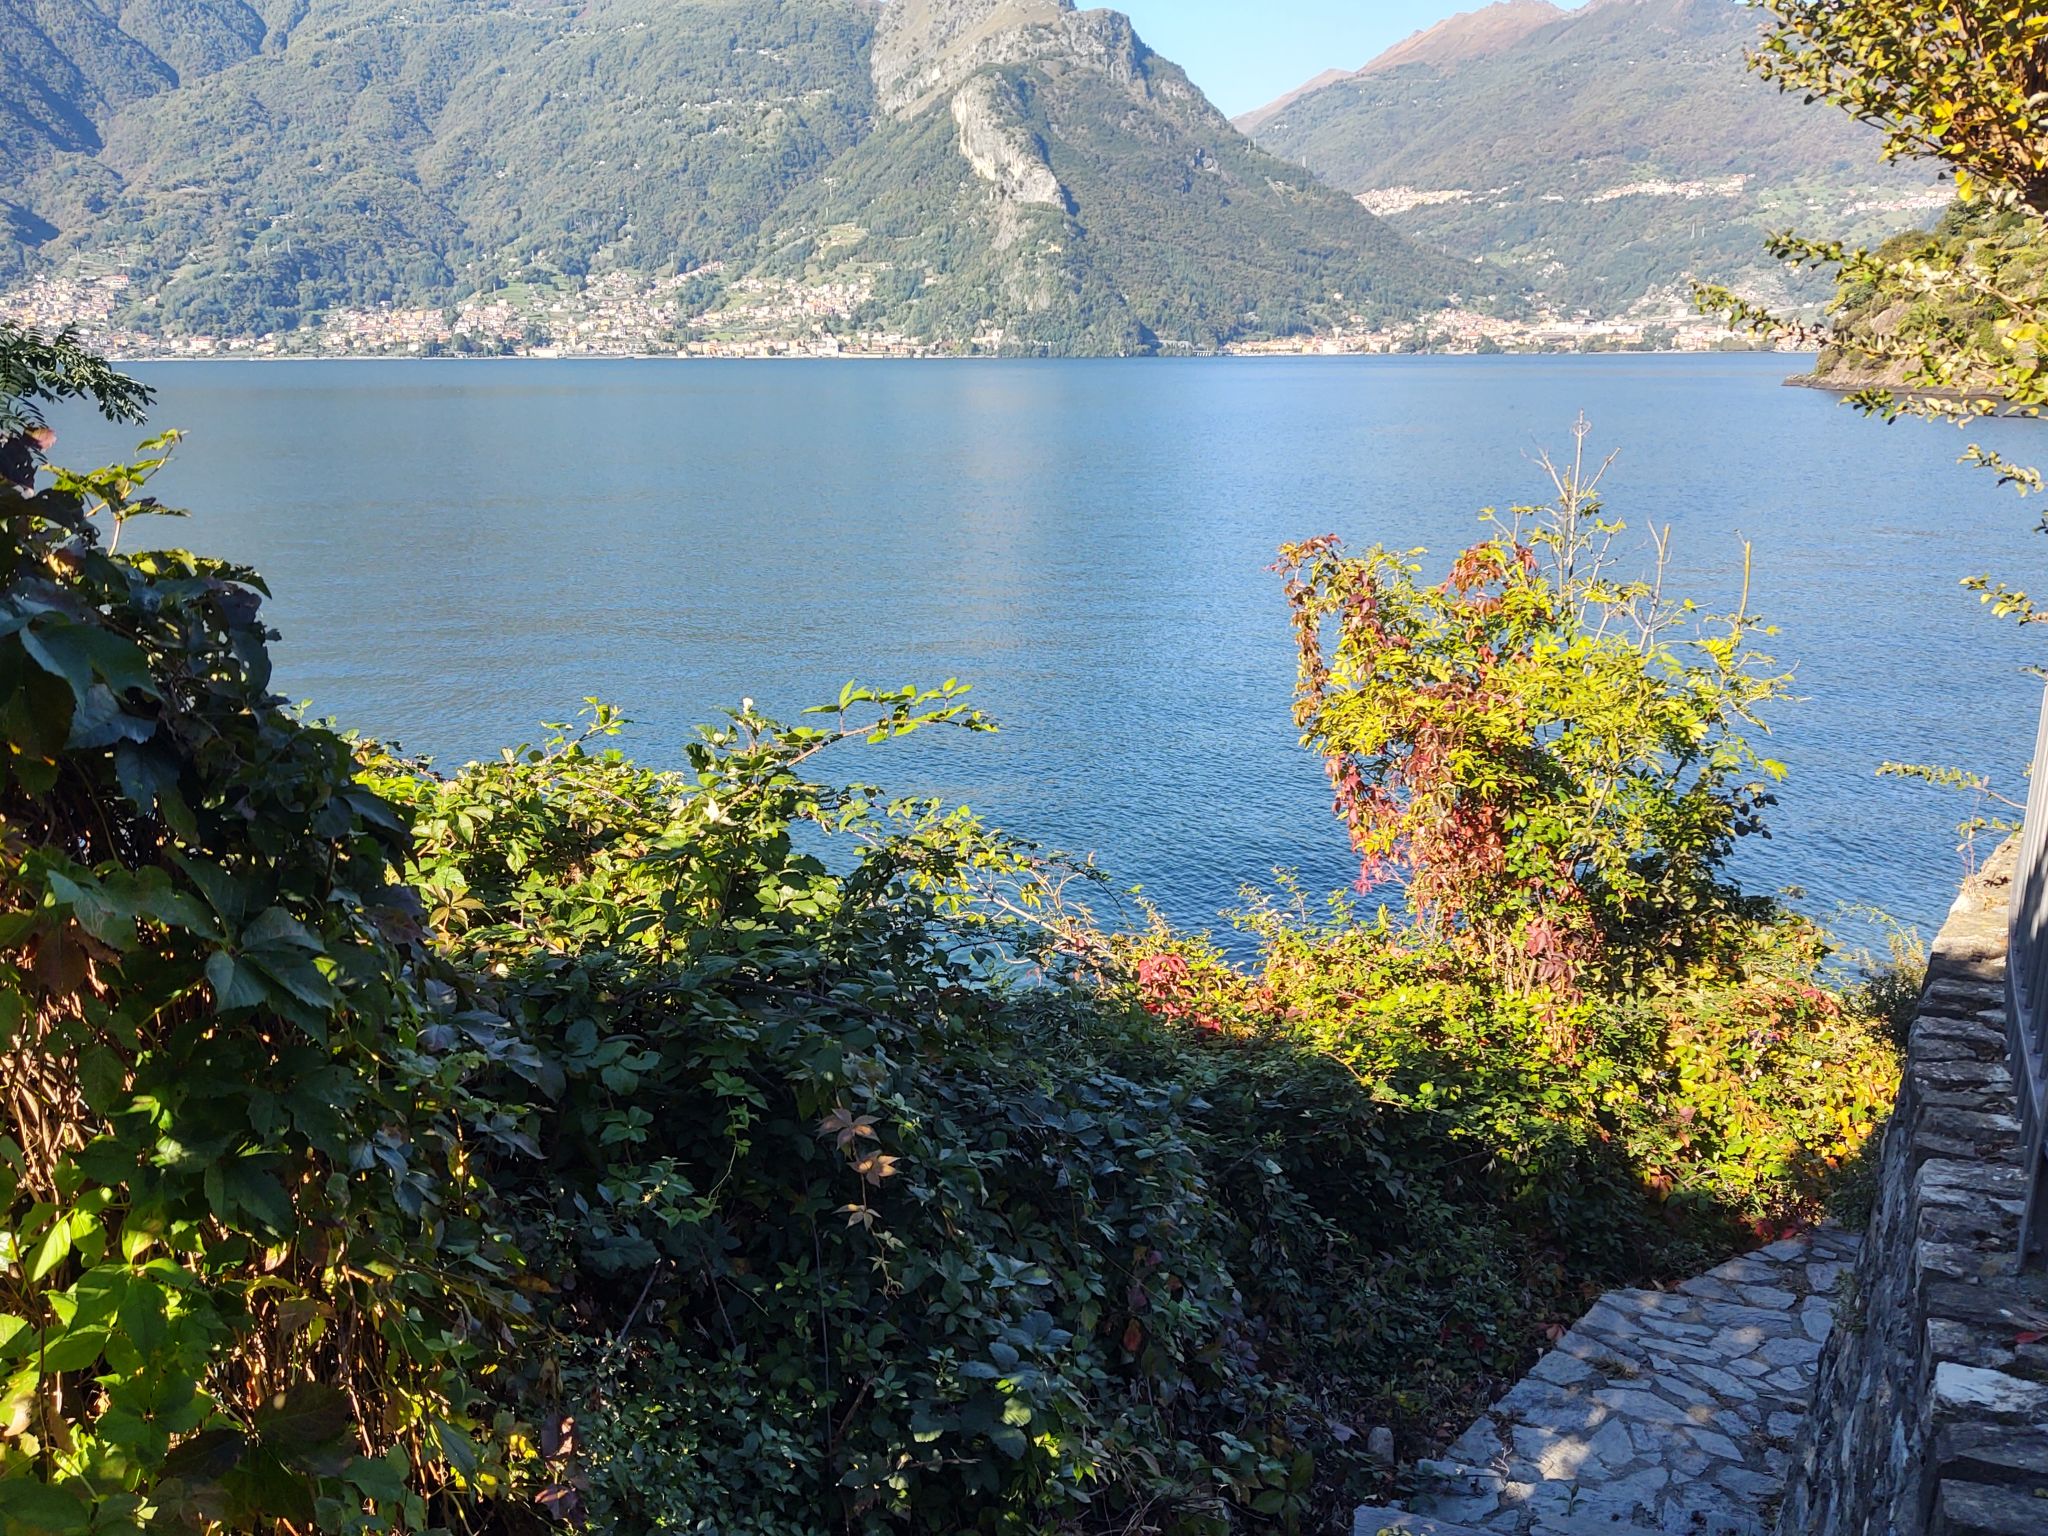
[[565, 1140]]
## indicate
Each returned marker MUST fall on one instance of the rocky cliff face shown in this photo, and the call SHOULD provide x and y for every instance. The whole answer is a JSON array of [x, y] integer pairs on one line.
[[1002, 149], [925, 49]]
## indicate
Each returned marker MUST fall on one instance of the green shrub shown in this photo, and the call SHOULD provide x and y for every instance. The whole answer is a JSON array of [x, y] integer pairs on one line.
[[1547, 751], [829, 1219], [241, 1275]]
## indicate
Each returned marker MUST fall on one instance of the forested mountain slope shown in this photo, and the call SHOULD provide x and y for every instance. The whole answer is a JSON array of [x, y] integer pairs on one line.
[[68, 65], [1607, 153], [1012, 170], [1881, 329], [1041, 175], [386, 151]]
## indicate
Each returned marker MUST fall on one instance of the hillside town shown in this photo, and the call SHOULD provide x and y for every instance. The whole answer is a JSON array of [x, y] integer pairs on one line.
[[619, 314]]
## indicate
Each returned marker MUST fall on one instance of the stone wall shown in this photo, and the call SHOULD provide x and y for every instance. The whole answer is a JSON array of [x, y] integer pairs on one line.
[[1930, 1416]]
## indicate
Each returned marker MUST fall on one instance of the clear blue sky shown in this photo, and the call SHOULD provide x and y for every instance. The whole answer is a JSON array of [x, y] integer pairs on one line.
[[1246, 52]]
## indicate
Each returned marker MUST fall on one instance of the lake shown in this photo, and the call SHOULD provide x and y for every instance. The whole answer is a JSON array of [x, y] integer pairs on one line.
[[461, 550]]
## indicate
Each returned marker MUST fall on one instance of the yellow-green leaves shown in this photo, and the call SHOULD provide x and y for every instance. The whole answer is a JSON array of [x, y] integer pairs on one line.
[[1944, 324], [1546, 749], [1957, 80]]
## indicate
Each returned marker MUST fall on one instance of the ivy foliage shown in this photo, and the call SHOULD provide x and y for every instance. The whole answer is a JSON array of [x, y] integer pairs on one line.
[[830, 1221], [240, 1271]]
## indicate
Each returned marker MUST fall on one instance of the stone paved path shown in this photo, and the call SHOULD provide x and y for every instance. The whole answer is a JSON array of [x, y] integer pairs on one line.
[[1660, 1411]]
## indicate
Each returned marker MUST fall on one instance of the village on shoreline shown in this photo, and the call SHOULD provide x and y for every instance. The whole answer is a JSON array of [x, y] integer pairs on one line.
[[621, 315]]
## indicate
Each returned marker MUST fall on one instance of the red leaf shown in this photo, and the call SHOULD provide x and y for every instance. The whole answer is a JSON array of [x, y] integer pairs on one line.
[[1134, 1336]]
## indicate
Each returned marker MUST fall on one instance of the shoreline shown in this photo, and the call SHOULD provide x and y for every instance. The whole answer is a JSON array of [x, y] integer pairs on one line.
[[1845, 388], [159, 359]]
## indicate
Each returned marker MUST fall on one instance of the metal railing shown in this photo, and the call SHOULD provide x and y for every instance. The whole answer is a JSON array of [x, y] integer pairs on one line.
[[2026, 1000]]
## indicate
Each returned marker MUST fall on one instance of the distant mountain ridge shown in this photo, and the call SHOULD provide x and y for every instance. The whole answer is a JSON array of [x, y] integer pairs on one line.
[[1470, 35], [1609, 154], [1467, 35], [1011, 173]]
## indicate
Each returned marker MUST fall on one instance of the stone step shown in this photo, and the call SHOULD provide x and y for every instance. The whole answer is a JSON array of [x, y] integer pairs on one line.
[[1373, 1519], [1588, 1525], [1450, 1469], [1984, 1509], [1464, 1496], [1376, 1520], [1656, 1413]]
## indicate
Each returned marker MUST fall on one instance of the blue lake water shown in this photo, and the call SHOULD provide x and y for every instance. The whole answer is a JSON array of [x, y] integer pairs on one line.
[[460, 550]]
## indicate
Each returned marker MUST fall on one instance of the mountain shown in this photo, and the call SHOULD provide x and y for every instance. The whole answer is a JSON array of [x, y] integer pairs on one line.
[[1608, 154], [387, 151], [1046, 179], [67, 65], [1250, 122], [1470, 35], [1015, 173]]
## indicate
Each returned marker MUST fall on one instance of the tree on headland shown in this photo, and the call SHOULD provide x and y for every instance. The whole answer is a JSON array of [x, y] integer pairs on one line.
[[1946, 324]]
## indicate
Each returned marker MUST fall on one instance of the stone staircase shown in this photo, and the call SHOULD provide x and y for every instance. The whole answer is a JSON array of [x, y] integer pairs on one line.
[[1661, 1413]]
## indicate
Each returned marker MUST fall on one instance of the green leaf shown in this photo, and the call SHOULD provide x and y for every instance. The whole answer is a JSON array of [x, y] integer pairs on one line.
[[53, 1250], [103, 1080], [234, 986], [277, 926], [223, 892], [82, 654], [262, 1489], [379, 1477], [97, 910], [73, 1350], [251, 1188], [32, 1507], [207, 1456], [294, 973], [457, 1449], [107, 1160], [143, 774], [305, 1417], [100, 721]]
